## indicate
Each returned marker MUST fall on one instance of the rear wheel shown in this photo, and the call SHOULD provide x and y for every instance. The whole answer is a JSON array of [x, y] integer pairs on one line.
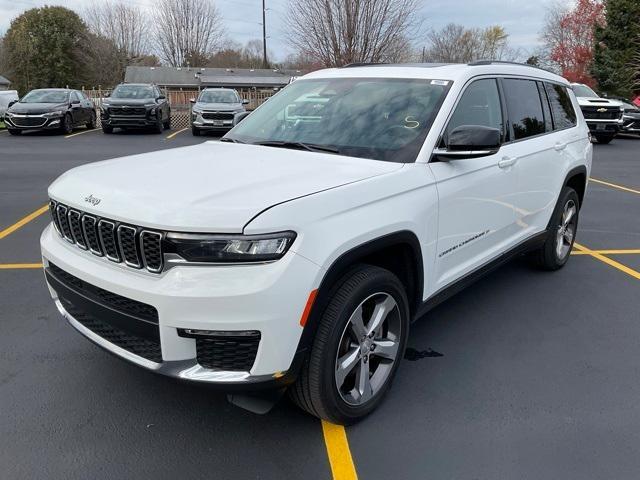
[[564, 225], [13, 131], [357, 349]]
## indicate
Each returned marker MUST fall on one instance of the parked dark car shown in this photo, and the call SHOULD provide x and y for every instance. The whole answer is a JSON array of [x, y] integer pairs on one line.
[[630, 116], [217, 109], [140, 105], [50, 109]]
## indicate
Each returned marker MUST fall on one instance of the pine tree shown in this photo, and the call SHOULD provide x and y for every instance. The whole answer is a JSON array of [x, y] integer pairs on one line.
[[617, 44]]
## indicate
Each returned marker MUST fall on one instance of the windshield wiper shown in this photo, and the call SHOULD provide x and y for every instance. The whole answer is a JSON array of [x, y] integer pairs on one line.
[[312, 147], [230, 140]]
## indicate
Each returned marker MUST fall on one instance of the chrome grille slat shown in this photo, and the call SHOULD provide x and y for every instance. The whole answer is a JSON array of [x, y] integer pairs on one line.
[[76, 228], [63, 220], [120, 243], [89, 224], [128, 246], [107, 234], [151, 248]]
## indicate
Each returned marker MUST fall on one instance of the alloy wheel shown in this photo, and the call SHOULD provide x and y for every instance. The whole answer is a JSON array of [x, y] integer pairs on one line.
[[368, 349], [566, 230]]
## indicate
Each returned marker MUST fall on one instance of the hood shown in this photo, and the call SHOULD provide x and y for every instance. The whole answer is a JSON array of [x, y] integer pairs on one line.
[[220, 107], [137, 102], [36, 108], [597, 102], [213, 187]]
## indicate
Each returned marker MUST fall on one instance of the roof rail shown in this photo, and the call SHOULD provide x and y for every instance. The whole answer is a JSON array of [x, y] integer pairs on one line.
[[361, 64], [505, 62]]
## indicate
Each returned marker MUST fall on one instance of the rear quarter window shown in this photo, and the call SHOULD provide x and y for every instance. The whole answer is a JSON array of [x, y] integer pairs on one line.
[[564, 115]]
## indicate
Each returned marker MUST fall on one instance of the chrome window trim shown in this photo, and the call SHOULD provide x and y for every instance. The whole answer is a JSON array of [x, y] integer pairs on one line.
[[83, 245], [115, 240], [135, 244], [144, 256], [84, 229]]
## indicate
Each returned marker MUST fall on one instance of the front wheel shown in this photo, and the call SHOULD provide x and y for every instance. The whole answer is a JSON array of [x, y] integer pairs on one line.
[[195, 131], [91, 124], [167, 123], [357, 349], [554, 253], [13, 131], [604, 139], [67, 124], [107, 129]]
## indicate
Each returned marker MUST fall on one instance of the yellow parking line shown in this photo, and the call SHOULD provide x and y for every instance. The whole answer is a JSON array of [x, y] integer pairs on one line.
[[607, 252], [614, 185], [22, 222], [608, 261], [81, 133], [169, 137], [335, 439], [19, 266]]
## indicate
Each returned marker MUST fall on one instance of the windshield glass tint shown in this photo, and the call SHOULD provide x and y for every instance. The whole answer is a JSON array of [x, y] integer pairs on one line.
[[218, 96], [377, 118], [133, 91], [46, 96], [583, 91]]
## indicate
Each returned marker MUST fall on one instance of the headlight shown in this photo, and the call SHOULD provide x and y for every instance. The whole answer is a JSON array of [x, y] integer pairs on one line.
[[229, 248], [55, 113], [196, 110], [150, 105]]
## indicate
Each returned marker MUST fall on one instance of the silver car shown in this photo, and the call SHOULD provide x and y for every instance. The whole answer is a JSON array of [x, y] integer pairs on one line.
[[217, 109]]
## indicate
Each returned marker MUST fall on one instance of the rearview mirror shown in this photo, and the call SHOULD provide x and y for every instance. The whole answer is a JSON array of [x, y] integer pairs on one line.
[[471, 141]]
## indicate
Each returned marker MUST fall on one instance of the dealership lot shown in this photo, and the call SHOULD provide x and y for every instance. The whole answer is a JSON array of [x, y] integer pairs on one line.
[[538, 378]]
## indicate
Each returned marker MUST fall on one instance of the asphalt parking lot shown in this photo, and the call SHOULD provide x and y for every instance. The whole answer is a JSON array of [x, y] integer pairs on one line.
[[539, 376]]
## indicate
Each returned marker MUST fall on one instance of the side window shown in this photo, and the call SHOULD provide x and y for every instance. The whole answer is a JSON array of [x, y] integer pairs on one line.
[[548, 120], [75, 96], [479, 105], [564, 116], [524, 107]]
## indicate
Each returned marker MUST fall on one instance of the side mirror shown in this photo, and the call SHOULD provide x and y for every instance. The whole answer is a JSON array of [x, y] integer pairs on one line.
[[162, 97], [75, 102], [12, 102], [245, 102], [471, 141], [192, 100]]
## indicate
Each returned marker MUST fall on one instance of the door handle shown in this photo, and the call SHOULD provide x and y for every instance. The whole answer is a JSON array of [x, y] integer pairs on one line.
[[560, 146], [507, 162]]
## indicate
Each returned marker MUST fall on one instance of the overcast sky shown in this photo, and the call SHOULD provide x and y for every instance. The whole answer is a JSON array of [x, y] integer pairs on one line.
[[522, 19]]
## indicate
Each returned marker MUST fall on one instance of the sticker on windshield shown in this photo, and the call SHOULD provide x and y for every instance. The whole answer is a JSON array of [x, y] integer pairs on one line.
[[439, 82]]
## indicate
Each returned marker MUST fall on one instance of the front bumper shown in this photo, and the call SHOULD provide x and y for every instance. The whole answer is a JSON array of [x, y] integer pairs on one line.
[[610, 127], [268, 298], [630, 124], [198, 121], [32, 122]]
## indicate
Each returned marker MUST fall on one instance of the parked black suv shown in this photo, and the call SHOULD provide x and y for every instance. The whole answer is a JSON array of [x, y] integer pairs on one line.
[[135, 105], [50, 109]]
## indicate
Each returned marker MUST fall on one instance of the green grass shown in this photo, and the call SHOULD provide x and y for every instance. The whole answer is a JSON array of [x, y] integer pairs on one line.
[[1, 125]]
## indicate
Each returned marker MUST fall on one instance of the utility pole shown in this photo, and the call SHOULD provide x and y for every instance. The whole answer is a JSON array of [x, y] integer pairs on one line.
[[265, 64]]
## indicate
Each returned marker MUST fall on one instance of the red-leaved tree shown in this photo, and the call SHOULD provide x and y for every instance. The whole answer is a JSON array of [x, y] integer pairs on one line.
[[569, 38]]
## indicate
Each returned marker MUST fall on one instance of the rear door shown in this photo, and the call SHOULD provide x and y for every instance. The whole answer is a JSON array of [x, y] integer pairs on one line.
[[476, 220], [77, 110]]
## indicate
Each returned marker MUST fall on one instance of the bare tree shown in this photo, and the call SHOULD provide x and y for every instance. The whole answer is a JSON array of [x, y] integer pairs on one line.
[[338, 32], [457, 44], [188, 31], [125, 25]]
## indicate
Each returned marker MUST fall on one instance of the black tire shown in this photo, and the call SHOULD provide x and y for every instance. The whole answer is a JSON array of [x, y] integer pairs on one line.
[[548, 256], [604, 139], [67, 124], [91, 124], [107, 129], [195, 131], [13, 131], [315, 389], [167, 123]]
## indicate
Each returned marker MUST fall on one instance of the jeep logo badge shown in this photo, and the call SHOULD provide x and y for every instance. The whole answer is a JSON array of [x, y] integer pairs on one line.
[[92, 200]]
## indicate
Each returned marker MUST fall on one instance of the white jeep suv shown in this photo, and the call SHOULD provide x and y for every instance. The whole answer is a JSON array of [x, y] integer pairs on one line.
[[296, 252]]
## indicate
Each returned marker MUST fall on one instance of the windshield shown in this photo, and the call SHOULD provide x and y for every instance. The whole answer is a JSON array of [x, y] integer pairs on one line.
[[376, 118], [133, 92], [584, 91], [46, 96], [218, 96]]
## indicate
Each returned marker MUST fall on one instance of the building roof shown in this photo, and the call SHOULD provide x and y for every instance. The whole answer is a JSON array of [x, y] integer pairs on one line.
[[201, 77], [4, 80]]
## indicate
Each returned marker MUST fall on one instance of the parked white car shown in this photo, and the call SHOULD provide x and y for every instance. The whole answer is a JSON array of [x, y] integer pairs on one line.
[[6, 97], [296, 252], [603, 116]]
